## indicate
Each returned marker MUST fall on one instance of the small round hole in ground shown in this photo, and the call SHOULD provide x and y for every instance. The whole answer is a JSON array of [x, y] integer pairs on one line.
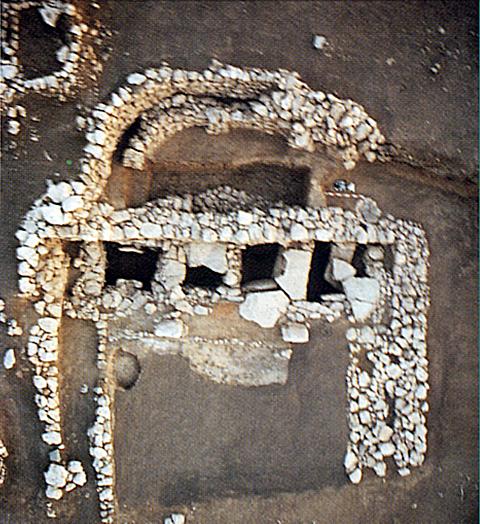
[[127, 369]]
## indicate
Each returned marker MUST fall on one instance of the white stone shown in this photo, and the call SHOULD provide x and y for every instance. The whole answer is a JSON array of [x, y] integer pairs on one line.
[[59, 192], [266, 284], [380, 469], [387, 449], [75, 466], [364, 379], [342, 270], [369, 210], [9, 359], [245, 218], [375, 253], [356, 476], [298, 232], [421, 374], [150, 230], [172, 273], [213, 256], [351, 334], [95, 150], [48, 324], [421, 392], [363, 289], [291, 272], [343, 251], [8, 71], [116, 100], [50, 15], [99, 137], [53, 214], [80, 478], [106, 494], [32, 240], [394, 371], [72, 203], [198, 309], [56, 475], [53, 493], [295, 333], [25, 253], [136, 79], [52, 438], [365, 417], [175, 518], [98, 453], [62, 53], [385, 433], [350, 461], [259, 108], [264, 308], [39, 382], [169, 329], [13, 127], [367, 335], [361, 310], [319, 41], [26, 286]]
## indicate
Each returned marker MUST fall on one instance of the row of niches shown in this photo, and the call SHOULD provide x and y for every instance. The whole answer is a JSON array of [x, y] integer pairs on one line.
[[270, 282], [262, 267]]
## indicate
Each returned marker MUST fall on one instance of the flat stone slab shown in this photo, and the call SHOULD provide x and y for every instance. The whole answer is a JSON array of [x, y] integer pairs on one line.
[[295, 333], [213, 256], [291, 272], [363, 289], [342, 270], [264, 308], [169, 329]]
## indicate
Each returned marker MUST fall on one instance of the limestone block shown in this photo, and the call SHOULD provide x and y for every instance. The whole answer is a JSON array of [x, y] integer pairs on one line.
[[291, 272], [295, 333], [342, 270], [213, 256], [264, 308], [169, 329]]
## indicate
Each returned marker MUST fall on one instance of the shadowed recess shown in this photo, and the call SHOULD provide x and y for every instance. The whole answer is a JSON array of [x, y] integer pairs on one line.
[[258, 262], [130, 265], [317, 285]]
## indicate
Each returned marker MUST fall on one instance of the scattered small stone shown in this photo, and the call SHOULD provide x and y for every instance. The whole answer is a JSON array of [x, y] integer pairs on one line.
[[319, 41], [9, 359], [175, 518], [295, 333], [13, 127]]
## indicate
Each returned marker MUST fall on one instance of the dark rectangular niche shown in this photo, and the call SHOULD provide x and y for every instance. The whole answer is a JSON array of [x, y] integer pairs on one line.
[[317, 285], [358, 261], [202, 277], [130, 265], [258, 262]]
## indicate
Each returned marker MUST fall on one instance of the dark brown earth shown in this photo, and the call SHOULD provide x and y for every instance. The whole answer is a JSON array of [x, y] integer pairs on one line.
[[273, 455]]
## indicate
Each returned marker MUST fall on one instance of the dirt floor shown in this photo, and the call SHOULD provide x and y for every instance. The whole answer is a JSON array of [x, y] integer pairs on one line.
[[273, 455]]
